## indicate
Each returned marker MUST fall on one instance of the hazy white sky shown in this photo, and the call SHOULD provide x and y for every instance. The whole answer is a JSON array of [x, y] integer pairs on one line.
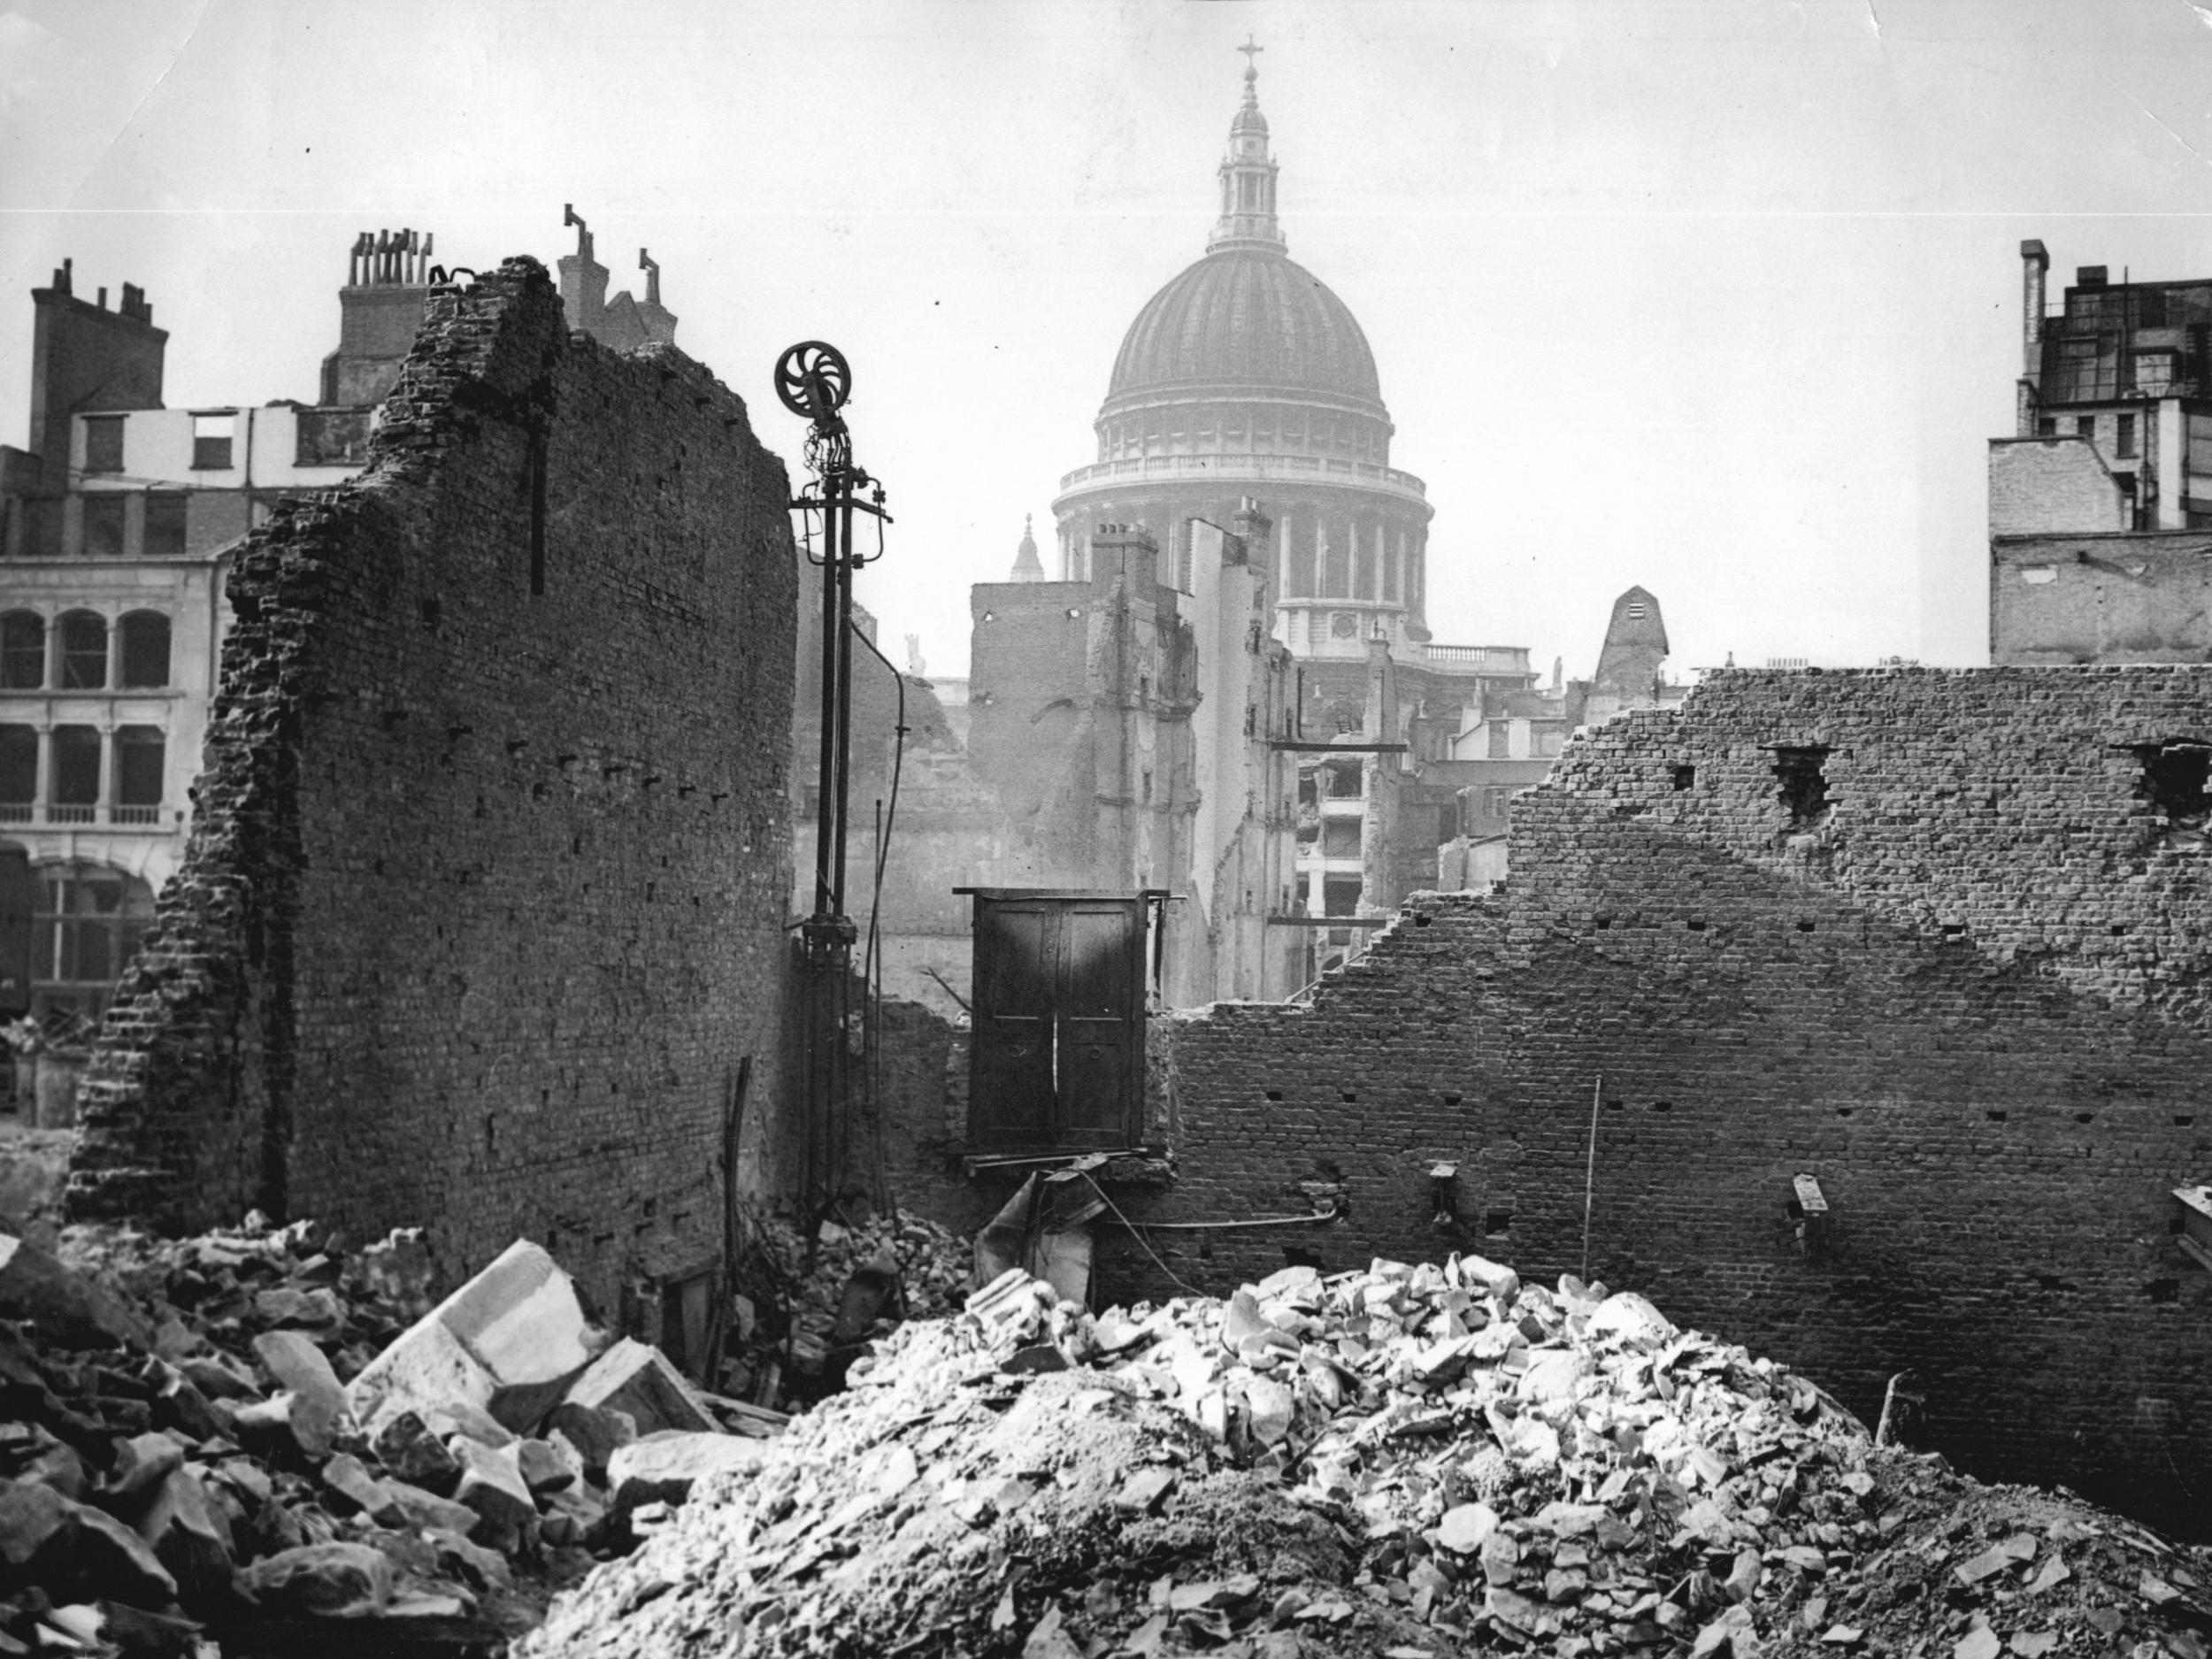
[[1716, 296]]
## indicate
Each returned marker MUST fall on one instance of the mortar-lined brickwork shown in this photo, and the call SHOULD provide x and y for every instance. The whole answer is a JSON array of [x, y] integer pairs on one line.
[[483, 907], [1920, 934]]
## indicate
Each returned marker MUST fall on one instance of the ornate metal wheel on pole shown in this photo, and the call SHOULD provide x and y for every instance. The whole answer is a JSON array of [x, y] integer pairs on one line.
[[814, 380]]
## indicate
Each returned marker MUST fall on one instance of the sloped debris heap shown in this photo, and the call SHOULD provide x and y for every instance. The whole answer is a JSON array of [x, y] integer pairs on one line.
[[1409, 1461], [804, 1312], [252, 1442]]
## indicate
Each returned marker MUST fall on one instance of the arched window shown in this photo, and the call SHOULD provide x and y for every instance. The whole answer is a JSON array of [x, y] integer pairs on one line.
[[145, 649], [22, 650], [84, 651], [86, 925]]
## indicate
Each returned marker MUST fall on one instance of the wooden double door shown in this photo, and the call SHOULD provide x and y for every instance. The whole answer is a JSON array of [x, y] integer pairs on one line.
[[1058, 1059]]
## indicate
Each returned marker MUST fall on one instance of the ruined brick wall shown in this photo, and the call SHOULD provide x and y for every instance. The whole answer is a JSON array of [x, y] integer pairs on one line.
[[483, 908], [2054, 485], [1967, 992], [2064, 599]]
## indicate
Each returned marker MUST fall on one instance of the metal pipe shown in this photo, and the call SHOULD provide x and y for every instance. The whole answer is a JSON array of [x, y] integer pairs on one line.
[[841, 508], [825, 795]]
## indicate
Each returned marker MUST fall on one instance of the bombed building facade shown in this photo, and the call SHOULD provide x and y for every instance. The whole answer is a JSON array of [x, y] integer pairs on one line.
[[1859, 1011], [480, 923], [1861, 1015], [117, 534]]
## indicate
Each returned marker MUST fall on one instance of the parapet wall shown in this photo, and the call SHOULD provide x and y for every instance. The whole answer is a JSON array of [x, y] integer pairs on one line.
[[1927, 937], [482, 912]]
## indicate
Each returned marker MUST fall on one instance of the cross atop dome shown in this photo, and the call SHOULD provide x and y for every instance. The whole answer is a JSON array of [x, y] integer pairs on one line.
[[1248, 175]]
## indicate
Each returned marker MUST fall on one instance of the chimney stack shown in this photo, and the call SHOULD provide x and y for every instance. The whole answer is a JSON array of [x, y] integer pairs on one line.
[[2035, 265]]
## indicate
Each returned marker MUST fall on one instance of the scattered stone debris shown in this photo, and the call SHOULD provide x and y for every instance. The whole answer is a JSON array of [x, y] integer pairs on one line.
[[811, 1314], [1409, 1461], [247, 1442]]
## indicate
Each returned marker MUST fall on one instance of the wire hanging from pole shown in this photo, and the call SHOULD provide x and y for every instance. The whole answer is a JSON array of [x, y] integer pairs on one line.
[[1590, 1173]]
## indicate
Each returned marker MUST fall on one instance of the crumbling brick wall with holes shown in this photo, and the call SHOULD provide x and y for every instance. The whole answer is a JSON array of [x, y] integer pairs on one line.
[[482, 912], [1936, 939]]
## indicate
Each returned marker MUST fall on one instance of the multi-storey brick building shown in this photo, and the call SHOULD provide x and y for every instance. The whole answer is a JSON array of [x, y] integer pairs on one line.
[[116, 537], [2101, 502]]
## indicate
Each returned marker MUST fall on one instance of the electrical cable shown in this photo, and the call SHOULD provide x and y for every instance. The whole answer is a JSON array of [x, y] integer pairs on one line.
[[872, 960]]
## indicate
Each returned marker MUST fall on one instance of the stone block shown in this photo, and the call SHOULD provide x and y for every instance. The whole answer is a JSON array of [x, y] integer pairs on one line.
[[636, 1378]]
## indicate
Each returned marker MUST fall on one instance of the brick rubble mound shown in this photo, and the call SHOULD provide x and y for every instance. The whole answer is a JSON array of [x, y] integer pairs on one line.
[[1409, 1461]]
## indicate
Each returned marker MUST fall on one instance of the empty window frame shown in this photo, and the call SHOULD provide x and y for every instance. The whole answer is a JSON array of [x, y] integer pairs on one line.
[[2124, 436], [1801, 773], [144, 653], [140, 752], [103, 443], [210, 441], [2174, 775], [75, 794], [164, 524], [18, 773], [331, 437], [22, 651], [2086, 425], [86, 925], [84, 651], [104, 525]]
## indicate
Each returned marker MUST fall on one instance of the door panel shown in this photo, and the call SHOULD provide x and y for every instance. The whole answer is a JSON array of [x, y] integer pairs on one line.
[[1098, 1000], [1011, 1091]]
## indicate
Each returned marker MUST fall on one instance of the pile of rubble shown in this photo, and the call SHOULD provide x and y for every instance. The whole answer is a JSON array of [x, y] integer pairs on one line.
[[1409, 1461], [229, 1441], [814, 1309]]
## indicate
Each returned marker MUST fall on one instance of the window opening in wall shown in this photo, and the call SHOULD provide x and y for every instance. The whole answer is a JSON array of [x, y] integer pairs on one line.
[[87, 923], [22, 650], [76, 786], [2046, 427], [330, 437], [19, 773], [2123, 440], [84, 651], [1802, 776], [1339, 895], [140, 751], [103, 443], [2175, 773], [145, 653], [1682, 777], [164, 524], [104, 526], [210, 442], [2086, 425]]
